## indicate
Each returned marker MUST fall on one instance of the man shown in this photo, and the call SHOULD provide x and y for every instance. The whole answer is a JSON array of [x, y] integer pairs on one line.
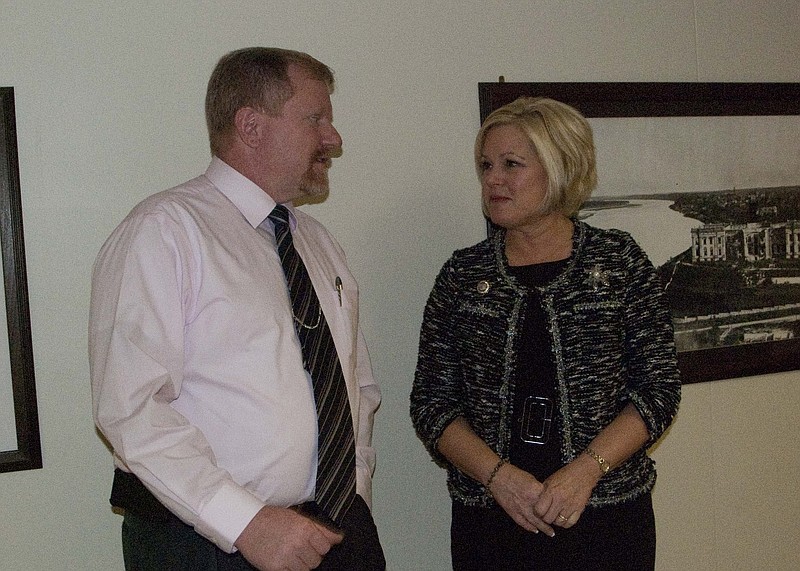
[[203, 381]]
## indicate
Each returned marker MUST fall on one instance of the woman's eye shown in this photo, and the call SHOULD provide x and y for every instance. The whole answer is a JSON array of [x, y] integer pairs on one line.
[[485, 165]]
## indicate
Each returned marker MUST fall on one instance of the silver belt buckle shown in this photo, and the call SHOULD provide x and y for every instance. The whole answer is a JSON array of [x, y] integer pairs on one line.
[[537, 417]]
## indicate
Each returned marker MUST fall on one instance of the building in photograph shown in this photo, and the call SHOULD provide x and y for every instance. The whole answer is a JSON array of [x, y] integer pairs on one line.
[[749, 242]]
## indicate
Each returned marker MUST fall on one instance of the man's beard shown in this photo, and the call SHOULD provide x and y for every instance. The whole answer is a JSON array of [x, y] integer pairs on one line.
[[315, 183]]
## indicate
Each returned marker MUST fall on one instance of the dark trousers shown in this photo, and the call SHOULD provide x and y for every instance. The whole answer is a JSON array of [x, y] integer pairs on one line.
[[157, 544], [610, 538]]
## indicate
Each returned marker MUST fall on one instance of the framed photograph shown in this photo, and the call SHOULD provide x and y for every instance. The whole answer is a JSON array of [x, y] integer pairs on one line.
[[706, 178], [20, 447]]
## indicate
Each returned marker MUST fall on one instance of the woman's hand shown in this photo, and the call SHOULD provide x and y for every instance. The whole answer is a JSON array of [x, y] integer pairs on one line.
[[517, 492], [566, 493]]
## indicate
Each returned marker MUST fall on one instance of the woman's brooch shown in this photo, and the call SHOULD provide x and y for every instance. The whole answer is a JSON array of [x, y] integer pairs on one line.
[[598, 277]]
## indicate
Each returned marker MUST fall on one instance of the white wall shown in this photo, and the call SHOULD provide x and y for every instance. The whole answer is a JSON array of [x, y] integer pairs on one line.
[[109, 110]]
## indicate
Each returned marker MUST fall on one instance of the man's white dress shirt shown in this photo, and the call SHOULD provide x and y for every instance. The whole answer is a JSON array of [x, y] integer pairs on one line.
[[197, 375]]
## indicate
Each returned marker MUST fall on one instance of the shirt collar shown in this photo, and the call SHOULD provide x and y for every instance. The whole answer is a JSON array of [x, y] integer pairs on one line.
[[254, 204]]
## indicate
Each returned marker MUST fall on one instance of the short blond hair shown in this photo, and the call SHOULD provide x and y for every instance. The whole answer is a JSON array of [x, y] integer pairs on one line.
[[564, 145], [254, 77]]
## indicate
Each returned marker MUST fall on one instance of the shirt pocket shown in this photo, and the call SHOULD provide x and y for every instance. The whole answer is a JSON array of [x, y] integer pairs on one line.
[[341, 301]]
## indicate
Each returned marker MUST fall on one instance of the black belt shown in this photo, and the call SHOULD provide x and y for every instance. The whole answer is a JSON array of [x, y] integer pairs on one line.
[[130, 494]]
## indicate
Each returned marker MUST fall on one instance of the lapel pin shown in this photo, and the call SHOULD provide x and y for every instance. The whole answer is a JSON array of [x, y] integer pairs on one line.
[[598, 277]]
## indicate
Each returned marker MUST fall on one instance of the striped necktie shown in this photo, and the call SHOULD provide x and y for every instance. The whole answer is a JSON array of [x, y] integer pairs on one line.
[[336, 472]]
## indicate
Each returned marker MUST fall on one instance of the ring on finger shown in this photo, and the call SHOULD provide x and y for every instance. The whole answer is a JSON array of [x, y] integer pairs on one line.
[[562, 518]]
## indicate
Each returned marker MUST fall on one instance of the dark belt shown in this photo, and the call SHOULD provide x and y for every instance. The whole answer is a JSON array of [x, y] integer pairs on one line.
[[130, 494]]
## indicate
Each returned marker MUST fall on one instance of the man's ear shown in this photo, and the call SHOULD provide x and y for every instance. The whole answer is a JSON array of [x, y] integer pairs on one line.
[[249, 125]]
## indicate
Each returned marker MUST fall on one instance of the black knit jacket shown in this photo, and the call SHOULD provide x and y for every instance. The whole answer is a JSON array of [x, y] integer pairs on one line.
[[612, 342]]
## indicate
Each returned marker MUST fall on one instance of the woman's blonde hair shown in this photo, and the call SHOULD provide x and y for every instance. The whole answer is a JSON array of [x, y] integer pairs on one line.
[[563, 142]]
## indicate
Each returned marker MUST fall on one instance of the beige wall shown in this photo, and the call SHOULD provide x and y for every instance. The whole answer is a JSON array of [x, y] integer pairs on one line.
[[109, 110]]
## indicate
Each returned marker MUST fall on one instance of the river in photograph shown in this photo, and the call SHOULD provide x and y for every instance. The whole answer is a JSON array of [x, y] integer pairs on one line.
[[662, 232]]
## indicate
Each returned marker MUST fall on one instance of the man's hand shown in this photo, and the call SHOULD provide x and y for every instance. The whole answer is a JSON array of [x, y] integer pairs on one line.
[[281, 539]]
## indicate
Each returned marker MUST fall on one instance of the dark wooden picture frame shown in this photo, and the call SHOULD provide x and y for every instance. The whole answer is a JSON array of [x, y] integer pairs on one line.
[[638, 99], [28, 454]]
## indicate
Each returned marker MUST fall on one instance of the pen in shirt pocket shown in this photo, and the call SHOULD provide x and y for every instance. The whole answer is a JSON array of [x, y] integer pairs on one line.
[[339, 289]]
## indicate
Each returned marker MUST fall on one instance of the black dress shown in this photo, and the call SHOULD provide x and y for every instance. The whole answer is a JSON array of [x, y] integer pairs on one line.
[[618, 537]]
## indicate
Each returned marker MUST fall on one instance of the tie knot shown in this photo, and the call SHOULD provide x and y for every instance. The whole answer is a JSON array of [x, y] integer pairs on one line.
[[279, 214]]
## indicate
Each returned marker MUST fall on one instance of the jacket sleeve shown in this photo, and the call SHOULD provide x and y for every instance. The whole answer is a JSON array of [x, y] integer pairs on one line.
[[654, 384], [437, 397]]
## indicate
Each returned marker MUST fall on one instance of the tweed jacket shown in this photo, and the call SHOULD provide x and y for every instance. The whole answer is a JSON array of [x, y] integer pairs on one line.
[[612, 342]]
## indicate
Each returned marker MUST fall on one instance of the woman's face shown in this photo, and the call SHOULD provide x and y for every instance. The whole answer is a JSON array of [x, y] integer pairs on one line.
[[513, 181]]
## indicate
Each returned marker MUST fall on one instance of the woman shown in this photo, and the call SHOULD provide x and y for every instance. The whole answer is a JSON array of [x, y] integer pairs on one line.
[[546, 363]]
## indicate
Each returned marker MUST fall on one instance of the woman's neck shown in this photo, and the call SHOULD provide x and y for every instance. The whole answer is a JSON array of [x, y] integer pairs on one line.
[[549, 240]]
